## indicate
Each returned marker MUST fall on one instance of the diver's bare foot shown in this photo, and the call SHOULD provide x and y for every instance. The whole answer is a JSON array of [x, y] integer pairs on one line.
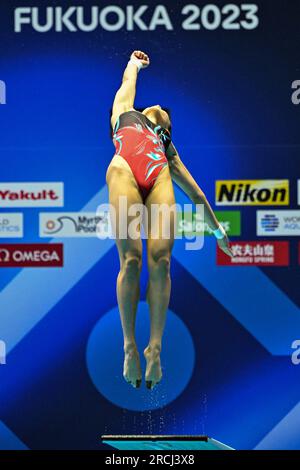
[[153, 370], [132, 368]]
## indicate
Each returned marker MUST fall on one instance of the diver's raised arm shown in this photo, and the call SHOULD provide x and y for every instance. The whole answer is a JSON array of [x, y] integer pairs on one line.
[[124, 99]]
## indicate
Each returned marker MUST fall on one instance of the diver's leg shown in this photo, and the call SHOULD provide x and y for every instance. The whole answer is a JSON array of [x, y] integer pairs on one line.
[[122, 183], [159, 248]]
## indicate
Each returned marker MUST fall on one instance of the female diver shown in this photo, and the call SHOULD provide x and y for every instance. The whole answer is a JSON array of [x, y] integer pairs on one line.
[[142, 170]]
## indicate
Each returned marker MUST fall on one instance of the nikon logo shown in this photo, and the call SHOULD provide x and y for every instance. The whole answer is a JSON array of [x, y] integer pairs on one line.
[[252, 193]]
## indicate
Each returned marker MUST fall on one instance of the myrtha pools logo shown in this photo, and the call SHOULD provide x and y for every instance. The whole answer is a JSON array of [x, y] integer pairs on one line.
[[72, 224]]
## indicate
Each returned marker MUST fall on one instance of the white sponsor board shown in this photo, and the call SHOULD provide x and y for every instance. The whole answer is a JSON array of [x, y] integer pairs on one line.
[[11, 225], [31, 194], [74, 224], [278, 223]]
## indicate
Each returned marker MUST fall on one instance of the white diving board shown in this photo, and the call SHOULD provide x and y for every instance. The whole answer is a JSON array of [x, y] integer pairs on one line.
[[167, 442]]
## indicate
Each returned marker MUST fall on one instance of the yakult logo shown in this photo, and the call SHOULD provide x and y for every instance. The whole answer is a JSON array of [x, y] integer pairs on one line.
[[31, 195], [2, 92], [31, 255]]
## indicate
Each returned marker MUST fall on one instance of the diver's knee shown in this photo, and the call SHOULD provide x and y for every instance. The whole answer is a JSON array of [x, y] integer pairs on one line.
[[159, 264], [132, 265]]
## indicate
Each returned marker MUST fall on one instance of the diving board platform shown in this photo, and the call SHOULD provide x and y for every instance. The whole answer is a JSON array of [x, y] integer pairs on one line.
[[166, 442]]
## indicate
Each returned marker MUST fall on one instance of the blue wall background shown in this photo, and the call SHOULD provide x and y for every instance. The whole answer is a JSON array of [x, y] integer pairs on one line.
[[229, 93]]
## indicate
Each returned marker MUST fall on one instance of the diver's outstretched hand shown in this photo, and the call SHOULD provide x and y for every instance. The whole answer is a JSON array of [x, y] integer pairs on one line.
[[141, 58], [224, 245]]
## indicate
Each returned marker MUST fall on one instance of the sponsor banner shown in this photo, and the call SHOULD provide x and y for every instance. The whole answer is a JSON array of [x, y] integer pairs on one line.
[[278, 223], [255, 254], [298, 192], [31, 255], [74, 224], [11, 225], [252, 193], [190, 223], [31, 195]]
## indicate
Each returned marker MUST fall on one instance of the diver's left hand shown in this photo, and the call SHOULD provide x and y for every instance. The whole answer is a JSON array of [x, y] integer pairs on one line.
[[224, 245]]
